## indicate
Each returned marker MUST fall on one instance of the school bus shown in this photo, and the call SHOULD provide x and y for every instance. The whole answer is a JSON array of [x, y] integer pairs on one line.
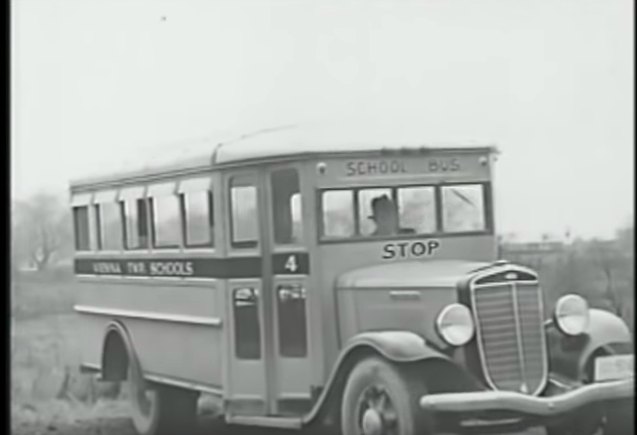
[[351, 285]]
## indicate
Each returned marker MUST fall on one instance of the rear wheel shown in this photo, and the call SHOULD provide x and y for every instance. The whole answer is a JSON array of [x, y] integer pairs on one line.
[[159, 409], [381, 398]]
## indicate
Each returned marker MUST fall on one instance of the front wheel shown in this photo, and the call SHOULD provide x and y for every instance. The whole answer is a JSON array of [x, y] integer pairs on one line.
[[381, 398], [160, 409], [620, 418]]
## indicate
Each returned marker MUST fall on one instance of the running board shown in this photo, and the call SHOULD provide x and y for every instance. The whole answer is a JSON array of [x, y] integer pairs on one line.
[[265, 421]]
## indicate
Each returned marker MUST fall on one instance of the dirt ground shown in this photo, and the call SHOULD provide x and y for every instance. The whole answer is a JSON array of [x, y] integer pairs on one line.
[[122, 426]]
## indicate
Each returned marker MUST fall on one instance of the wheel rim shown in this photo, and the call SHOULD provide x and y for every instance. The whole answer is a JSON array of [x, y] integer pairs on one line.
[[376, 412], [143, 401]]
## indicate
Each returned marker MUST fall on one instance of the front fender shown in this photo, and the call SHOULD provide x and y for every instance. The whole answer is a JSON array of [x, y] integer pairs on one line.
[[605, 329], [570, 355], [397, 346]]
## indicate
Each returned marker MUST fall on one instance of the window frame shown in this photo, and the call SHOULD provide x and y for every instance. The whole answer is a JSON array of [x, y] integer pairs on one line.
[[439, 233]]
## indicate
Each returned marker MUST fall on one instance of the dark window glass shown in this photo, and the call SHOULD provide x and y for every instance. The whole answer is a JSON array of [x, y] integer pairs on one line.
[[81, 228], [135, 216], [286, 206], [367, 213], [292, 320], [247, 328], [98, 225]]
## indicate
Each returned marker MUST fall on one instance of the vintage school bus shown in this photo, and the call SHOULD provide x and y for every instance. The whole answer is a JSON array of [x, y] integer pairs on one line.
[[311, 280]]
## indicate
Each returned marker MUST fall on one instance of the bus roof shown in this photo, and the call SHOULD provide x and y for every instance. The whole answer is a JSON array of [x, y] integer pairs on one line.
[[289, 142]]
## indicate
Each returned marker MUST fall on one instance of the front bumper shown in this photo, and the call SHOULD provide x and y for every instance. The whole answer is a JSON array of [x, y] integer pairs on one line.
[[529, 406]]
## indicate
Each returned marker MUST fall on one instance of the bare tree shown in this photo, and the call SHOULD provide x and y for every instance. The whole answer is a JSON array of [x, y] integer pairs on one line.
[[41, 229], [605, 258], [615, 259]]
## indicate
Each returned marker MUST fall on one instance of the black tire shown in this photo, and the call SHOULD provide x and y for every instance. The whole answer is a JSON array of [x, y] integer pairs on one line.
[[160, 409], [587, 422], [620, 418], [382, 393]]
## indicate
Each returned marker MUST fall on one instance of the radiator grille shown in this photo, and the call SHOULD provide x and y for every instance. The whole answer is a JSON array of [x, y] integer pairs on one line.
[[511, 335]]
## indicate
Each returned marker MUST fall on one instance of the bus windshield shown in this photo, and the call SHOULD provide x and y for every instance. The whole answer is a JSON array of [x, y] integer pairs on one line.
[[370, 212]]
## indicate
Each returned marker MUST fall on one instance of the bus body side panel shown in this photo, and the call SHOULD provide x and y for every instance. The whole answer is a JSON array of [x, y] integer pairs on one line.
[[176, 327]]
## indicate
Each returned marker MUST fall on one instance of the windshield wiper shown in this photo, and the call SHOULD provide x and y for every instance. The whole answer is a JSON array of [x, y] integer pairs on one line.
[[463, 197]]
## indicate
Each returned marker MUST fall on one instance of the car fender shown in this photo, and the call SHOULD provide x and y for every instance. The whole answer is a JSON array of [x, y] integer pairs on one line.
[[396, 346], [604, 330], [570, 355]]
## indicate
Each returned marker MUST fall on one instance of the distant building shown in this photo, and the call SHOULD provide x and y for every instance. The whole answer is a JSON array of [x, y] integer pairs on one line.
[[529, 248], [531, 253]]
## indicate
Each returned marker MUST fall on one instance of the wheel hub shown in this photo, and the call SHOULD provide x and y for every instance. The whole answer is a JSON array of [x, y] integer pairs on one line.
[[372, 423]]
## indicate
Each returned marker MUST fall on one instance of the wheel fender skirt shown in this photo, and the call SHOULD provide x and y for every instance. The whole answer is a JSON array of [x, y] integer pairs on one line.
[[113, 365]]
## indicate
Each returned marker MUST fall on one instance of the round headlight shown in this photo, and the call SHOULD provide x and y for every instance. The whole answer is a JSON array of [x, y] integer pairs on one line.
[[455, 324], [571, 314]]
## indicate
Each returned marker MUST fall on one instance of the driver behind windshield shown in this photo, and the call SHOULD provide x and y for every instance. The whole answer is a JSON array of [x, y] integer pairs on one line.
[[385, 216]]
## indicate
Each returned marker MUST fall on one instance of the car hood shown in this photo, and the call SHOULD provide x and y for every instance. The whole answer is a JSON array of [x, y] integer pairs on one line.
[[409, 274]]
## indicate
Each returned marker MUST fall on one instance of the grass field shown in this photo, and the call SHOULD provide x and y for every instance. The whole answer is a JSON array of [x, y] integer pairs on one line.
[[46, 385]]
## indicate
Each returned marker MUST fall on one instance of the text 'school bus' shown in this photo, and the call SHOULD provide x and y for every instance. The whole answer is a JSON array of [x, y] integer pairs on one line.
[[346, 285]]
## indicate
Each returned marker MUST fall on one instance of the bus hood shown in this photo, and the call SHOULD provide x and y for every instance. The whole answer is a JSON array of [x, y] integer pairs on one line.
[[409, 274]]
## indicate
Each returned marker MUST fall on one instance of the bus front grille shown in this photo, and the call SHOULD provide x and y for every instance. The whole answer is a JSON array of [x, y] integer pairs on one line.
[[510, 335]]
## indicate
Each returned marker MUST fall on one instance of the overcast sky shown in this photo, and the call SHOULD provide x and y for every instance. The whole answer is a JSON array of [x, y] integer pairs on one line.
[[550, 82]]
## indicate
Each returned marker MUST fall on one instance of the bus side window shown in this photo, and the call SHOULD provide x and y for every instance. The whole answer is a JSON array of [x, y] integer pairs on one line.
[[338, 213], [81, 228], [198, 218], [111, 228], [245, 303], [286, 206], [243, 214], [97, 224], [166, 216], [292, 320], [135, 216]]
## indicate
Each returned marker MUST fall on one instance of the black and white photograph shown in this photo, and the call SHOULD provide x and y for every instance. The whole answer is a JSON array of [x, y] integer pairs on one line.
[[307, 217]]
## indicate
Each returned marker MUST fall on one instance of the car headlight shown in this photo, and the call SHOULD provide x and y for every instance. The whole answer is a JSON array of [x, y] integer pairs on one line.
[[571, 314], [455, 324]]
